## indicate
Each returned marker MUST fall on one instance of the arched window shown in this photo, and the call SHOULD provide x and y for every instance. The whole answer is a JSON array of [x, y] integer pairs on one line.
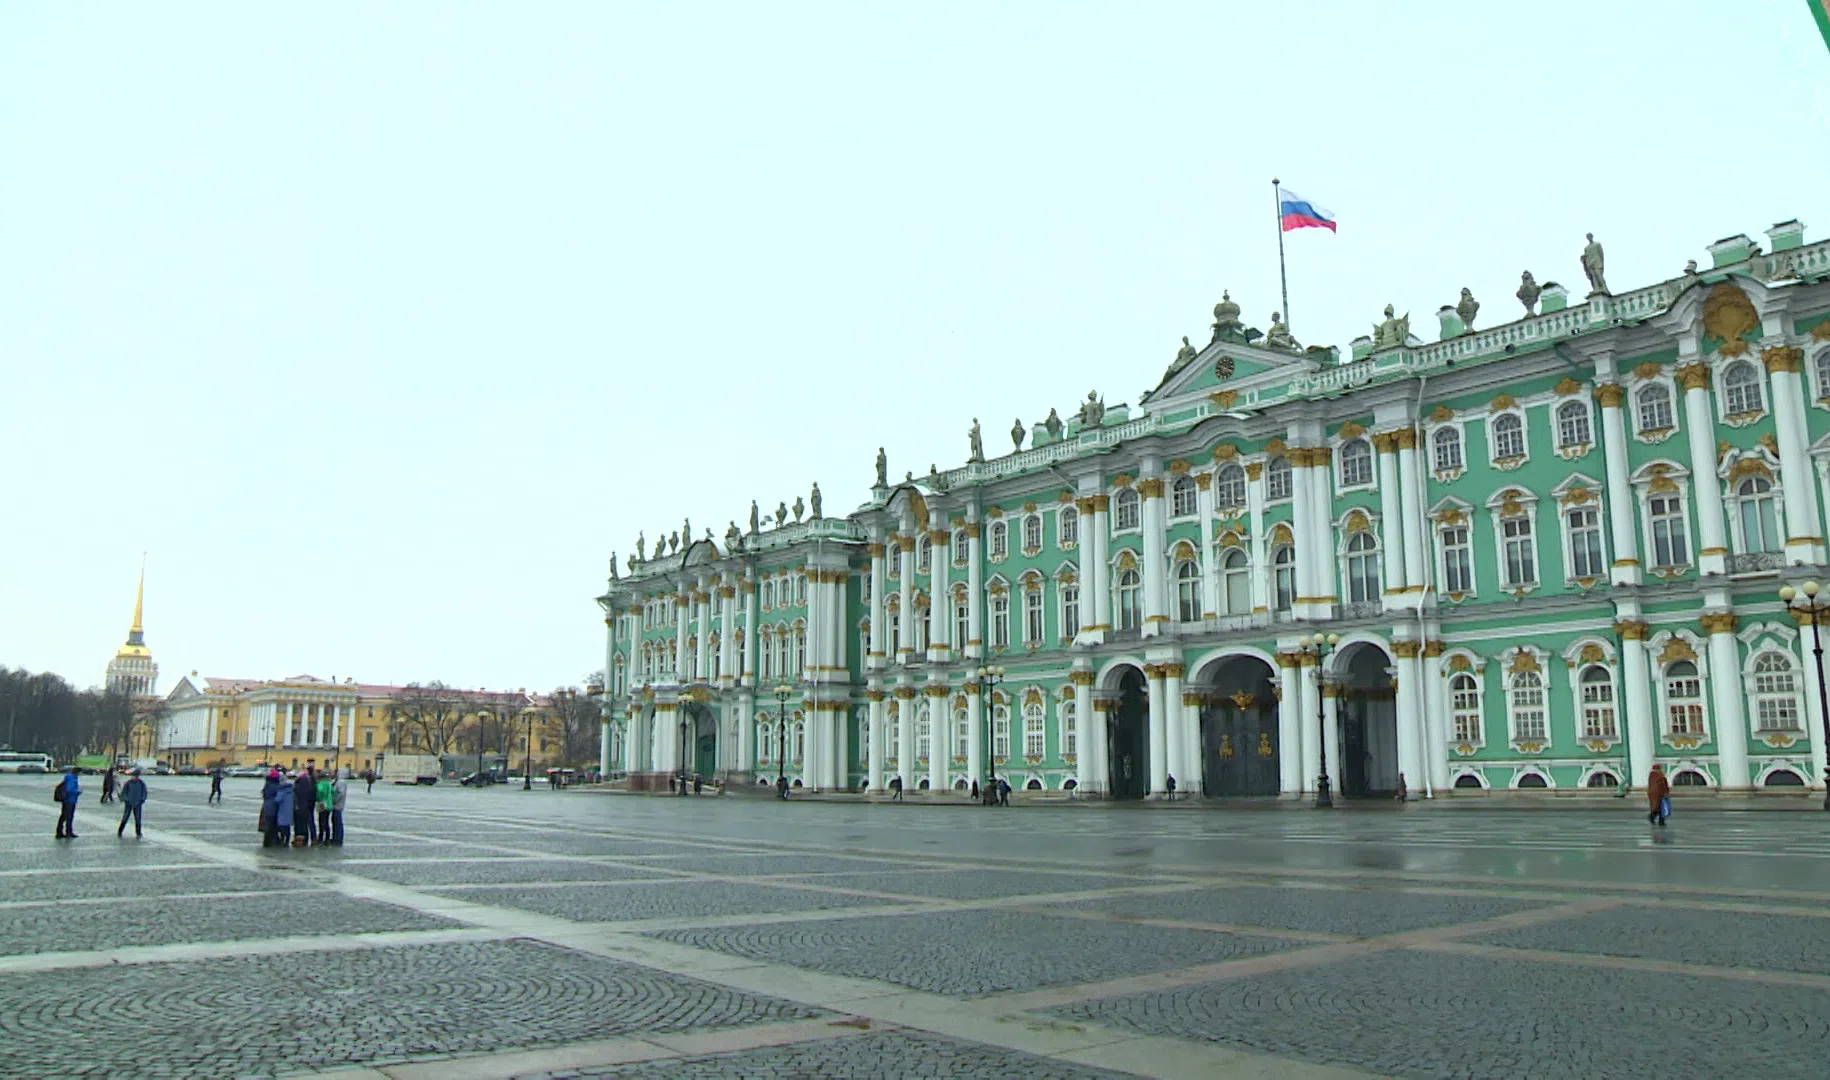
[[800, 588], [1775, 693], [1356, 463], [1124, 510], [1362, 567], [1067, 527], [1602, 778], [1821, 364], [1067, 716], [1741, 389], [765, 740], [962, 732], [1183, 501], [1000, 539], [1525, 698], [924, 555], [1000, 620], [1690, 778], [924, 731], [712, 655], [1652, 404], [1032, 730], [893, 631], [1277, 479], [1070, 611], [1229, 486], [800, 741], [1445, 447], [1508, 437], [1783, 778], [1188, 591], [962, 548], [1683, 699], [892, 734], [1236, 582], [1759, 519], [1573, 425], [1283, 573], [1032, 533], [1130, 598], [1597, 703], [1000, 733], [1032, 614], [800, 649], [1465, 707], [1532, 780]]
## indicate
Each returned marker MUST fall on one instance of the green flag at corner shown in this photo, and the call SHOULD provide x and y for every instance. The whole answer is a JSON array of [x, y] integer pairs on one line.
[[1820, 10]]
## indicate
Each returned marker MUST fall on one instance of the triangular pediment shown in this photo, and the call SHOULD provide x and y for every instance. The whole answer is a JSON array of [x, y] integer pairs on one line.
[[1229, 365]]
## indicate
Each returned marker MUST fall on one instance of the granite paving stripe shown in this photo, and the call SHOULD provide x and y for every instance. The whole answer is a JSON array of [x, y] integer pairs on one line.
[[651, 900], [136, 883], [972, 884], [1714, 938], [287, 909], [895, 1055], [751, 864], [497, 871], [1349, 912]]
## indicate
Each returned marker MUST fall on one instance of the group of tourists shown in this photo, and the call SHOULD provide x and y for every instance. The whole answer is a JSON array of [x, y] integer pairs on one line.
[[132, 798], [304, 809]]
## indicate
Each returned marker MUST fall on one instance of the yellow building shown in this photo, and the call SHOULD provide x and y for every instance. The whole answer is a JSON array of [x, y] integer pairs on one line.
[[304, 719]]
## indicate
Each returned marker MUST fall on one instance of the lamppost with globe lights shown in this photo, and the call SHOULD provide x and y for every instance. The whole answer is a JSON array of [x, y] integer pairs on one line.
[[1319, 646], [1804, 601], [989, 677], [782, 692], [527, 768]]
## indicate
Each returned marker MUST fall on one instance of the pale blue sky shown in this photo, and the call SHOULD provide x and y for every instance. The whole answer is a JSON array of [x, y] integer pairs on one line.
[[381, 326]]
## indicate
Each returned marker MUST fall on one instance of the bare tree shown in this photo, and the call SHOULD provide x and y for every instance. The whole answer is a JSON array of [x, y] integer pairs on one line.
[[427, 717], [576, 716]]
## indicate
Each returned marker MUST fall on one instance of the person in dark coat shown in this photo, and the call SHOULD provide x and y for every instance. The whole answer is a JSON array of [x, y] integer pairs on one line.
[[1658, 795], [268, 787], [108, 784], [282, 813], [895, 789], [369, 776], [304, 800], [1003, 792], [71, 790], [215, 787], [133, 800]]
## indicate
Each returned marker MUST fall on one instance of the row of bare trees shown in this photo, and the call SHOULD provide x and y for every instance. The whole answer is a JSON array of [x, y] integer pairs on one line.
[[434, 718], [42, 712]]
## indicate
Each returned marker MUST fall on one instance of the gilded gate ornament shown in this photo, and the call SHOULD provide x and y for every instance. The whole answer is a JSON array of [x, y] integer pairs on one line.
[[1727, 315], [1264, 744], [1226, 747]]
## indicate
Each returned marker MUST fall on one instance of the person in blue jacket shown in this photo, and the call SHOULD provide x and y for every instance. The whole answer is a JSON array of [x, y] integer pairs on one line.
[[66, 815], [282, 813], [133, 800]]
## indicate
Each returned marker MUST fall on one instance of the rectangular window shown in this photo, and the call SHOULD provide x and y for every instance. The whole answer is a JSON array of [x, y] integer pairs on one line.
[[1521, 566], [1670, 537], [1032, 617], [1277, 480], [1000, 732], [962, 622], [1585, 543], [1070, 612], [1032, 733], [1000, 622], [1598, 709], [1070, 735], [1457, 560], [1068, 527]]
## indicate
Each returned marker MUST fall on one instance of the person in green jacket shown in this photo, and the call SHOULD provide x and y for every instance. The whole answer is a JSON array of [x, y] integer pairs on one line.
[[324, 794]]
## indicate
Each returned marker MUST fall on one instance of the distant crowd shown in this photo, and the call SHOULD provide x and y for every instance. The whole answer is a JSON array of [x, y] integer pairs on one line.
[[304, 809]]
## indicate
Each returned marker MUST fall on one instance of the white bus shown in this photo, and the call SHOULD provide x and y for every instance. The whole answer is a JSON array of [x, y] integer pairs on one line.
[[13, 761]]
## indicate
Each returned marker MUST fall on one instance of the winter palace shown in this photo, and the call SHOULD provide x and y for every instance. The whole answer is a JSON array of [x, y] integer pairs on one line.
[[1539, 554]]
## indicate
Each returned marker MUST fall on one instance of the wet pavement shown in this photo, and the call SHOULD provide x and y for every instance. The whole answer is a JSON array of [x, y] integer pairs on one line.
[[557, 934]]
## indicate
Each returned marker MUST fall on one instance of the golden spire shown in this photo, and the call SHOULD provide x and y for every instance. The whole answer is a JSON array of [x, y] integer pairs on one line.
[[139, 600]]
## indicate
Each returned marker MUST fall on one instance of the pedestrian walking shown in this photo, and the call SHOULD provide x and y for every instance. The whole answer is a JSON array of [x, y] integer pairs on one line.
[[1658, 796], [339, 791], [304, 795], [283, 816], [215, 787], [108, 784], [1404, 792], [369, 775], [895, 789], [323, 794], [67, 791], [133, 801], [781, 787], [1003, 792], [1170, 785], [268, 787]]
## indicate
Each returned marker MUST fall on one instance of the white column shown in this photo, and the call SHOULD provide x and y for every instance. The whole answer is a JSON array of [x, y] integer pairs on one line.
[[975, 734], [1159, 729], [1410, 483], [1308, 710], [702, 616], [1156, 605], [1805, 544], [1210, 566], [905, 545], [727, 633], [290, 719], [1392, 523], [1089, 590], [1321, 494], [1729, 700], [1098, 732], [1641, 731], [940, 604], [1254, 504], [750, 643], [1624, 538], [1100, 572], [1175, 735], [905, 749], [975, 587], [1289, 725], [1436, 713], [873, 780], [1189, 780], [879, 610], [1412, 718], [1331, 735], [1086, 753], [682, 611], [940, 723], [1307, 552], [604, 731], [635, 741], [1706, 492], [841, 748], [746, 732]]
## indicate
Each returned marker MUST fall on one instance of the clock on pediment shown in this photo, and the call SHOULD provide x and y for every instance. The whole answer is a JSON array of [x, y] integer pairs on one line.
[[1223, 368]]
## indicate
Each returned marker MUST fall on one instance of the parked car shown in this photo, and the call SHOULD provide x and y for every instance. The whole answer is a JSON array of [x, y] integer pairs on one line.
[[31, 767], [481, 779], [192, 770], [248, 770]]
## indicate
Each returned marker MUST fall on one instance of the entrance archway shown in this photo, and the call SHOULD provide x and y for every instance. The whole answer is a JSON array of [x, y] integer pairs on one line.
[[1128, 737], [700, 733], [1238, 729], [1369, 723]]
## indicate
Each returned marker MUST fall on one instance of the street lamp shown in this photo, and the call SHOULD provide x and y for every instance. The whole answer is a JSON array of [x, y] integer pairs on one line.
[[989, 677], [1804, 601], [1320, 646], [527, 771], [782, 692], [682, 751]]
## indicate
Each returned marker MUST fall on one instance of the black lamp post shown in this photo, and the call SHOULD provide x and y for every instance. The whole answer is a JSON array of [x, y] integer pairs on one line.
[[989, 677], [782, 692], [683, 714], [1804, 601], [1320, 646], [527, 771]]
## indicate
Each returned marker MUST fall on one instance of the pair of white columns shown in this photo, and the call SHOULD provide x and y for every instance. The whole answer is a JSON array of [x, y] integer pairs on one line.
[[309, 719]]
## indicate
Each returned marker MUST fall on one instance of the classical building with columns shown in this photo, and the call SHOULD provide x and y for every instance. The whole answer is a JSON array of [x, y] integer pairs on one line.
[[1550, 550]]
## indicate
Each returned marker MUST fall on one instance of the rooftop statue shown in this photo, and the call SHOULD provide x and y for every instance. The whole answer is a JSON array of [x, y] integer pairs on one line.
[[733, 538], [1053, 424], [1528, 293], [815, 500], [1391, 333], [640, 545], [1092, 411], [1467, 307], [1278, 337], [781, 514], [799, 508], [1591, 265], [708, 535], [632, 562], [1184, 357], [686, 532], [978, 445], [673, 541], [755, 518], [613, 573], [883, 468], [1690, 268], [1017, 431]]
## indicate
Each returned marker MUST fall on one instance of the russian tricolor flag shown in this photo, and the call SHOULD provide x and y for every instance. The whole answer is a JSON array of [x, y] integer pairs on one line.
[[1296, 212]]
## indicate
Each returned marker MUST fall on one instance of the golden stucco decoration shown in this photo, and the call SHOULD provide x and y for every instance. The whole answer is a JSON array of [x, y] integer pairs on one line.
[[1728, 315]]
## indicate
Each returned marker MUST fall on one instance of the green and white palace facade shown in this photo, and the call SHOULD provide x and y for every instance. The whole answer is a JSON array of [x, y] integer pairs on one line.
[[1551, 551]]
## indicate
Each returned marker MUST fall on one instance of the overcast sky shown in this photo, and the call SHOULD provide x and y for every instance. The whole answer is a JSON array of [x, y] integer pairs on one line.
[[380, 326]]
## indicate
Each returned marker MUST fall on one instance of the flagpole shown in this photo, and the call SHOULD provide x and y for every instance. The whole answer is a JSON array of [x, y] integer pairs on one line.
[[1277, 197]]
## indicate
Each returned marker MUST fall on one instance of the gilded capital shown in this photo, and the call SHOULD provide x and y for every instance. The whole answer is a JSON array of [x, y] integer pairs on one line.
[[1172, 671], [1610, 395], [1406, 650], [1320, 456], [876, 550], [1254, 470], [1693, 377], [1433, 649], [1632, 630], [1151, 488], [1406, 438], [1723, 623], [1782, 358], [1080, 678]]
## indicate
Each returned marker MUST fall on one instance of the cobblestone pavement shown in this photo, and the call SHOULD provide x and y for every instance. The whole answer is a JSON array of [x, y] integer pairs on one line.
[[574, 934]]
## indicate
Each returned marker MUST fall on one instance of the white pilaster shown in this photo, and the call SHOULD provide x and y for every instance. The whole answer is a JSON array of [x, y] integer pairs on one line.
[[1641, 732], [879, 611], [1624, 538], [1159, 729], [702, 617], [1417, 540], [1175, 741], [873, 768], [1086, 754], [1302, 532], [750, 644], [1100, 572], [1254, 503], [1331, 734], [1805, 544], [975, 587], [940, 738], [1308, 722], [1289, 725], [905, 554], [1433, 696], [1156, 603], [1204, 543], [1412, 718], [975, 736], [1189, 781], [682, 611], [905, 749], [1321, 494], [1089, 581], [1706, 489], [940, 604], [1729, 699], [1391, 523]]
